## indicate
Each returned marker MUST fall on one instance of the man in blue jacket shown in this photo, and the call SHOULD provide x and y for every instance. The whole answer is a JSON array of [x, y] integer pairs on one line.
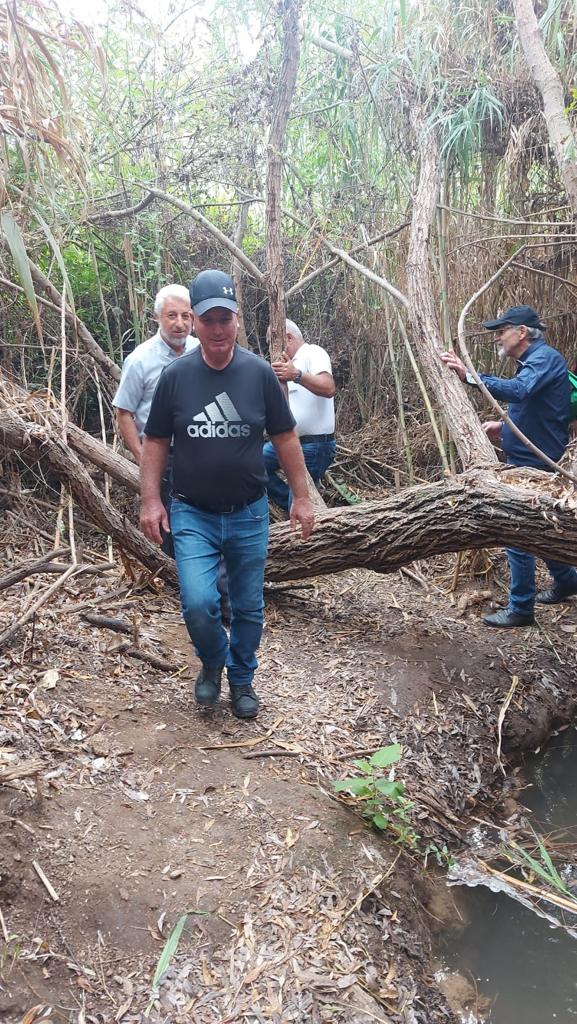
[[538, 399]]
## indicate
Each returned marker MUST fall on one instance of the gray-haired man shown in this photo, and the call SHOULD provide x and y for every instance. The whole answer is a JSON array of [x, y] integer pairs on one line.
[[143, 367]]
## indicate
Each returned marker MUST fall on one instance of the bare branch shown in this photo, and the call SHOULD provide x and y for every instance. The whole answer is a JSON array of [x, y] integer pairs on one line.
[[224, 240]]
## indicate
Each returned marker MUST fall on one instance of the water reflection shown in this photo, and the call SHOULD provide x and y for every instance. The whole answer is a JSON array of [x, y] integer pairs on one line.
[[526, 967]]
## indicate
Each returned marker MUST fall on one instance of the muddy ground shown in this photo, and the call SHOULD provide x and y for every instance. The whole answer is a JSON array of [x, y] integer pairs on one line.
[[140, 808]]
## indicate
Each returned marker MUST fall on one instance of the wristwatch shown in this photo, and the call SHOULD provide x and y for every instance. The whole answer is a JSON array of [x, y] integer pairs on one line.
[[297, 377]]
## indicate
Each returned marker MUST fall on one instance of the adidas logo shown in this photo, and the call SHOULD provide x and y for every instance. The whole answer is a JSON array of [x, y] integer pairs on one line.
[[219, 419]]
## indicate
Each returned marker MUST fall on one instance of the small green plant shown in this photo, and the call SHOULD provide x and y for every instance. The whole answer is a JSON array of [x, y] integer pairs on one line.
[[542, 868], [384, 799], [163, 964]]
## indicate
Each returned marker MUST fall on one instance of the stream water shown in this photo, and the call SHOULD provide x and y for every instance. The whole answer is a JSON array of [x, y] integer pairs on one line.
[[527, 969]]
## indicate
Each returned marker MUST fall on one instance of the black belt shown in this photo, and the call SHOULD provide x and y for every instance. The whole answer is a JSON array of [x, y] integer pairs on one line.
[[315, 438], [222, 510]]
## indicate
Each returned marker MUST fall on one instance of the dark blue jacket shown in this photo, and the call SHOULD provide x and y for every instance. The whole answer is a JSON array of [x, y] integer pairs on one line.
[[538, 398]]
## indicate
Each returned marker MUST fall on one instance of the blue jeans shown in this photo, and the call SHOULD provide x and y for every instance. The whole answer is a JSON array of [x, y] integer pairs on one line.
[[522, 566], [318, 457], [201, 539]]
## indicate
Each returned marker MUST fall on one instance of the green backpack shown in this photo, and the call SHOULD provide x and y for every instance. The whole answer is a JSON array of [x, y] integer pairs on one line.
[[573, 396]]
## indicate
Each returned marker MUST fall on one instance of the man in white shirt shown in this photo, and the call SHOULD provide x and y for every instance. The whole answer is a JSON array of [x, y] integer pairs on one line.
[[143, 367], [307, 372]]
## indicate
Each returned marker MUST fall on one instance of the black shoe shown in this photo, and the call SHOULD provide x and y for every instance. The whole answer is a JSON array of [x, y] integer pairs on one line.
[[555, 595], [207, 686], [508, 620], [245, 703]]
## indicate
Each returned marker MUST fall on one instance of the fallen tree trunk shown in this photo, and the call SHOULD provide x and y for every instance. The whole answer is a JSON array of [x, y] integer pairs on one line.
[[479, 509], [117, 466], [482, 508], [40, 443]]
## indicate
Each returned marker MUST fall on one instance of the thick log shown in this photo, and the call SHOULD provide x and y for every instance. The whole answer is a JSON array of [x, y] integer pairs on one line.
[[39, 442], [480, 509], [93, 450], [90, 448]]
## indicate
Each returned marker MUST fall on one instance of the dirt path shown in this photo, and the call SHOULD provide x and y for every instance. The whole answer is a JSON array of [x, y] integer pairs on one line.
[[149, 808]]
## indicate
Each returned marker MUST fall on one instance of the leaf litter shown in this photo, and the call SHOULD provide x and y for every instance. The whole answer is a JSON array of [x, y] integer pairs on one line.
[[312, 936]]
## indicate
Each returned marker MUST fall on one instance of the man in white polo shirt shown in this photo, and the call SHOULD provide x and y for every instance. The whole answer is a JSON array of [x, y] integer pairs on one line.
[[143, 367], [307, 372]]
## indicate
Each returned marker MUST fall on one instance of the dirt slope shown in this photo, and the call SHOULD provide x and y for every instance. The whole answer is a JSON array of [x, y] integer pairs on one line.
[[147, 808]]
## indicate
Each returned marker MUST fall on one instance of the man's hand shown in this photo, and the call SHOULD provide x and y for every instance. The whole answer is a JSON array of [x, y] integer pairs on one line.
[[302, 511], [493, 429], [284, 368], [453, 362], [152, 517]]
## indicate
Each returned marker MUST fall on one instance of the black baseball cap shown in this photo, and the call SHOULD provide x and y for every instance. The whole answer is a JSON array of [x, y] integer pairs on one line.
[[212, 288], [516, 316]]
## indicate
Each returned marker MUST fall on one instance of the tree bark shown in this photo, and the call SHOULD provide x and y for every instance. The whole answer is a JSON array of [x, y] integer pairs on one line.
[[237, 272], [517, 507], [475, 510], [38, 442], [289, 13], [464, 426], [550, 87], [92, 450]]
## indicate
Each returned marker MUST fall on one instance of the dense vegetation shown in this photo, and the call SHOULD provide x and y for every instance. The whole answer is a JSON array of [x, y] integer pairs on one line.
[[94, 119]]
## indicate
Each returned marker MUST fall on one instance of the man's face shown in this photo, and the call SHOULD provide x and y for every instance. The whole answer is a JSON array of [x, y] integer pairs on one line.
[[175, 321], [512, 341], [293, 343], [217, 330]]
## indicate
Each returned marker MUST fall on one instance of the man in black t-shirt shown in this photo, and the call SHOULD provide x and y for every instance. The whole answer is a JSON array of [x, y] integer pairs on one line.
[[217, 407]]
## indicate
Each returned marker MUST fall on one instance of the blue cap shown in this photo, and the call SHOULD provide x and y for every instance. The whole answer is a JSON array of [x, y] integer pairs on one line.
[[516, 316]]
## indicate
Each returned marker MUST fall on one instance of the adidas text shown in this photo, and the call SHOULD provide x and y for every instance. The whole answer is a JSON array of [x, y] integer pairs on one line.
[[218, 430]]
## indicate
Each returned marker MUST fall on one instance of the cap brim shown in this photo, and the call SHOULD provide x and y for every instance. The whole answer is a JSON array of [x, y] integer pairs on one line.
[[206, 304], [493, 325]]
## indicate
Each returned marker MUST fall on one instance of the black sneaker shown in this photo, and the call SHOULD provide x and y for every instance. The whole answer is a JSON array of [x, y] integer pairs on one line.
[[505, 619], [555, 595], [207, 686], [245, 703]]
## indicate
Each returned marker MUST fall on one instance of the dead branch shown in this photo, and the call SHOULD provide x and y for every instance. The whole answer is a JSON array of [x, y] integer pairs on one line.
[[248, 265], [151, 659], [105, 622], [39, 565]]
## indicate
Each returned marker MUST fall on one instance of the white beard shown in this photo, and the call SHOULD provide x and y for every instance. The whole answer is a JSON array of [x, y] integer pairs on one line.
[[501, 352]]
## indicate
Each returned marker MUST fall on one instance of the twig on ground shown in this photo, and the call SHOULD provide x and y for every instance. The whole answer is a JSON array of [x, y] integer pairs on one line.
[[501, 718], [46, 882]]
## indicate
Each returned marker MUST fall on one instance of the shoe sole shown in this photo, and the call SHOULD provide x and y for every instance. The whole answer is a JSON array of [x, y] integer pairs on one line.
[[240, 714], [509, 625]]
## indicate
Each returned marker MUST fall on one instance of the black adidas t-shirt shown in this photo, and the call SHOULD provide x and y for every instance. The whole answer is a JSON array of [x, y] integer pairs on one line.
[[217, 419]]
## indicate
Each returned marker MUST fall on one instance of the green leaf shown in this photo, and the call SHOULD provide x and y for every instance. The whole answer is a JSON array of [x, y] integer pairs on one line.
[[358, 787], [364, 766], [166, 956], [393, 790], [57, 253], [381, 821], [12, 234], [386, 756]]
